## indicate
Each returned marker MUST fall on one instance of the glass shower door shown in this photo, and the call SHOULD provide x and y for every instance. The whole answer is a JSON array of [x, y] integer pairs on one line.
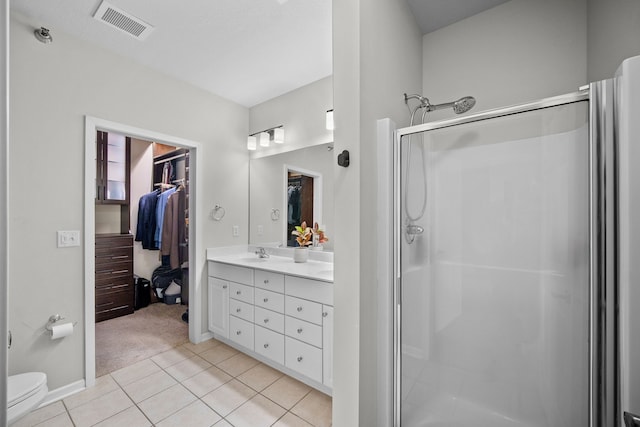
[[494, 272]]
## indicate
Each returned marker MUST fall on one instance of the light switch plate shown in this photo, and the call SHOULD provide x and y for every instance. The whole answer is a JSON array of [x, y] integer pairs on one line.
[[68, 239]]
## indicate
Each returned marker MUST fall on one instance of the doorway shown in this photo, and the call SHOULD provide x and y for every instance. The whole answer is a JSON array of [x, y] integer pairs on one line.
[[92, 125]]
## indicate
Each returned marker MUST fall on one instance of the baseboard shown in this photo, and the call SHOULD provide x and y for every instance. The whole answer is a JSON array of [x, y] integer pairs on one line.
[[62, 392], [204, 337]]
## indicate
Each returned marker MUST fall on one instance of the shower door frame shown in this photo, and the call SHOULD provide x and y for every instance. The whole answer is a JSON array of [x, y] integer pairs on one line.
[[604, 407]]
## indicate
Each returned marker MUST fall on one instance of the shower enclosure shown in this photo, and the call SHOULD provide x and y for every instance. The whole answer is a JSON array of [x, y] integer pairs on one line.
[[504, 290]]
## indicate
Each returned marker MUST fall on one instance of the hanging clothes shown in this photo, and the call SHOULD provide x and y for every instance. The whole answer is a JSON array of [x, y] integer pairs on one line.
[[174, 230], [146, 225], [163, 198]]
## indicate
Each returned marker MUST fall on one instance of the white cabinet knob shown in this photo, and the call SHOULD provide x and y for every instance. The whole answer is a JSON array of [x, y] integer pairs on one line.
[[299, 308], [224, 287], [299, 330], [238, 332], [266, 320], [299, 358], [238, 310], [325, 314], [238, 292], [266, 281], [266, 345], [266, 300]]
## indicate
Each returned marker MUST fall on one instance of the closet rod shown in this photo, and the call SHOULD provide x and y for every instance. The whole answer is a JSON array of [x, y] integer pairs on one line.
[[177, 156]]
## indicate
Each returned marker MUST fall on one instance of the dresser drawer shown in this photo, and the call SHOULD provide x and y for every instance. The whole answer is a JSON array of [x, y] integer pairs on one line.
[[303, 358], [314, 290], [114, 269], [269, 280], [233, 273], [108, 255], [303, 309], [241, 309], [117, 284], [270, 344], [269, 319], [241, 292], [270, 300], [303, 331], [241, 331]]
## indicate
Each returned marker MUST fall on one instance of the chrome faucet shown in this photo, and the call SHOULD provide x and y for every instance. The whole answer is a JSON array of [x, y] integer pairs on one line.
[[262, 253]]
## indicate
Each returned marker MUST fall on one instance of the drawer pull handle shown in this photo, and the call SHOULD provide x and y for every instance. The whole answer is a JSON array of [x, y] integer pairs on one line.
[[266, 320], [224, 287], [299, 330], [325, 314], [238, 332], [299, 358], [299, 308], [266, 281], [266, 345], [238, 310], [266, 300]]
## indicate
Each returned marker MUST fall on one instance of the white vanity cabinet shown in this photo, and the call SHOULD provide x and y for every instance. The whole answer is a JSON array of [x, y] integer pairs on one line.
[[281, 319]]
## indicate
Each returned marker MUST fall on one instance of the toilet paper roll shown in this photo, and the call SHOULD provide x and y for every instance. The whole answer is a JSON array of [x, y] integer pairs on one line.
[[61, 330]]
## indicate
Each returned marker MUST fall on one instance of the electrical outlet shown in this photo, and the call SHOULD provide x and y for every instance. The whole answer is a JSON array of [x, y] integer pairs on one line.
[[260, 230], [68, 239], [235, 230]]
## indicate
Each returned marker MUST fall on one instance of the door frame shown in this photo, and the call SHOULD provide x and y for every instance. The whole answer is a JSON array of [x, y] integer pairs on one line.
[[92, 125]]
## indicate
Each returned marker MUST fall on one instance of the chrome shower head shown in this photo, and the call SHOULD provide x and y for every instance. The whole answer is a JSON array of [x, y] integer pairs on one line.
[[463, 105]]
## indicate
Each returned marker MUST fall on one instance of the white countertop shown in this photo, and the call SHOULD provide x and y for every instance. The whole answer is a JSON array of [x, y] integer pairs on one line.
[[312, 269]]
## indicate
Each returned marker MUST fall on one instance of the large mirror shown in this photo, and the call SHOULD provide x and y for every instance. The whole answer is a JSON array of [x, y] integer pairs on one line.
[[287, 188]]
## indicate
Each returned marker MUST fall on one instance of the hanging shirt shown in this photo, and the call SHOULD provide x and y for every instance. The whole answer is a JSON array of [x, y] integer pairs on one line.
[[146, 226], [160, 207]]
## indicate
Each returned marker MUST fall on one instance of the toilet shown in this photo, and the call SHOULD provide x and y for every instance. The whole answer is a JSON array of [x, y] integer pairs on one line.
[[24, 393]]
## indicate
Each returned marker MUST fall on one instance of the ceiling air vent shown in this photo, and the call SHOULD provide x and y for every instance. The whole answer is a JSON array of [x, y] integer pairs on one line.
[[123, 21]]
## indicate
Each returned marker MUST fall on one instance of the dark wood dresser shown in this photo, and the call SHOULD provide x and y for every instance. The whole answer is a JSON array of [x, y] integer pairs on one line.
[[114, 275]]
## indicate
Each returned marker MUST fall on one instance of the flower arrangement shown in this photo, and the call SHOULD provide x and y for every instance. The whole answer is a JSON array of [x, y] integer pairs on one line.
[[304, 234], [319, 236], [307, 236]]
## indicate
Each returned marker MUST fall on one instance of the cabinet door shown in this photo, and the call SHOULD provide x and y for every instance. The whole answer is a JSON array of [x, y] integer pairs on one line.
[[113, 174], [219, 307], [327, 345]]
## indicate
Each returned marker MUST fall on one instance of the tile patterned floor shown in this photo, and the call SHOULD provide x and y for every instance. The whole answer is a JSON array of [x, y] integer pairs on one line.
[[208, 384]]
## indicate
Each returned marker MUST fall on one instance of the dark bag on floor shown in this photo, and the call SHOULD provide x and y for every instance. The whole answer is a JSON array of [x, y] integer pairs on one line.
[[141, 292], [163, 276]]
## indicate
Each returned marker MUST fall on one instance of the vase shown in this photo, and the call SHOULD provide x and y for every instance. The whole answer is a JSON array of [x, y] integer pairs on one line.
[[300, 254]]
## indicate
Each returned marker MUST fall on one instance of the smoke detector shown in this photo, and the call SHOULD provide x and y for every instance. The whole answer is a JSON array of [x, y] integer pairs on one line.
[[123, 21]]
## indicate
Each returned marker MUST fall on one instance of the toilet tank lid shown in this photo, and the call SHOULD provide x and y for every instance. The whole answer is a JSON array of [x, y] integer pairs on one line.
[[22, 386]]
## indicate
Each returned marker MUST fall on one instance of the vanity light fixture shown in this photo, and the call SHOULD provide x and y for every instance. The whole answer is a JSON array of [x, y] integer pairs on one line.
[[252, 143], [278, 135], [264, 138], [329, 120]]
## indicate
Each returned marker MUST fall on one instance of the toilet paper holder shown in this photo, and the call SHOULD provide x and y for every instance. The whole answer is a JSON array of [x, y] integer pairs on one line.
[[53, 319]]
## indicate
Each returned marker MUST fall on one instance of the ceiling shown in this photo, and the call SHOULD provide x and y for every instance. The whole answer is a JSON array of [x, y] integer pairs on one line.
[[247, 51]]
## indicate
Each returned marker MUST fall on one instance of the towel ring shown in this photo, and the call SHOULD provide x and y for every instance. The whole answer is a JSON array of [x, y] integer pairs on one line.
[[275, 214], [217, 213]]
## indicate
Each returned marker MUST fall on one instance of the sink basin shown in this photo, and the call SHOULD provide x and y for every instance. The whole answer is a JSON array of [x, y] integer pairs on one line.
[[253, 259]]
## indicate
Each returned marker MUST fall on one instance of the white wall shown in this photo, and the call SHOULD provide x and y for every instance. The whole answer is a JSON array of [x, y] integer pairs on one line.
[[4, 132], [519, 51], [377, 57], [301, 112], [613, 35], [52, 88]]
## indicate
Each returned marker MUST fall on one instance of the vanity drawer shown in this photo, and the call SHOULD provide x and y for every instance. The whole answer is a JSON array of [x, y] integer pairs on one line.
[[303, 309], [269, 280], [241, 309], [270, 344], [303, 331], [314, 290], [233, 273], [303, 358], [241, 331], [241, 292], [269, 319], [270, 300]]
